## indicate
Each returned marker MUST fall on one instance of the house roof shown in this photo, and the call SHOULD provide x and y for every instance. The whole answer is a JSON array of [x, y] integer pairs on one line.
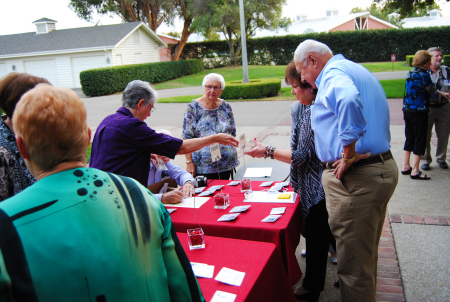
[[425, 21], [44, 20], [105, 36], [318, 25]]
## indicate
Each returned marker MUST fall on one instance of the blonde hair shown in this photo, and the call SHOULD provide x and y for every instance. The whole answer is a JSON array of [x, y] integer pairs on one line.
[[421, 58], [52, 124]]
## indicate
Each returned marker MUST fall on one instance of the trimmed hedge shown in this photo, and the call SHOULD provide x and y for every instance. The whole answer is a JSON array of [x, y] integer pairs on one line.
[[358, 46], [409, 60], [446, 60], [253, 90], [109, 80]]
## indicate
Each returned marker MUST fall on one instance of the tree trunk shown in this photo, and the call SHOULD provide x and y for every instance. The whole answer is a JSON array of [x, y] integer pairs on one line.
[[233, 56], [184, 36]]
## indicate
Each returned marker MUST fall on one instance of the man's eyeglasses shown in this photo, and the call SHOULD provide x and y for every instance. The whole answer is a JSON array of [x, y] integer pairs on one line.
[[216, 88], [153, 109]]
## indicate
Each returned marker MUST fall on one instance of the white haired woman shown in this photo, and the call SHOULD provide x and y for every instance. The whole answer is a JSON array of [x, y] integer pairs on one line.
[[207, 115]]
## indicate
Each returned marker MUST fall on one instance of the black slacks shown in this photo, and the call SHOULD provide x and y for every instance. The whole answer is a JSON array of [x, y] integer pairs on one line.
[[318, 240]]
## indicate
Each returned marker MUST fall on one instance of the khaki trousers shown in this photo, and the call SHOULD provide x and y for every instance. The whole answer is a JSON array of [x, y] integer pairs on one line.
[[440, 117], [357, 207]]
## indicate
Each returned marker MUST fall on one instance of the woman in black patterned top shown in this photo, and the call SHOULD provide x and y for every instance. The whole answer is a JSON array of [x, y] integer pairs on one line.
[[306, 179], [14, 174]]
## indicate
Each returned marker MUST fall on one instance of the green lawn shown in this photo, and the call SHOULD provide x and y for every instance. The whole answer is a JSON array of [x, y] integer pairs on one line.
[[260, 72], [88, 152], [283, 95], [386, 66], [229, 73], [393, 88]]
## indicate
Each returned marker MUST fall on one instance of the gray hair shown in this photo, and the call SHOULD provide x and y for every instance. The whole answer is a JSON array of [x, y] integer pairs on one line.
[[307, 47], [138, 90], [431, 49], [214, 77]]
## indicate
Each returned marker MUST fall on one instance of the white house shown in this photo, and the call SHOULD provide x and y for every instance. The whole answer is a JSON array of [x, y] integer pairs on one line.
[[331, 22], [434, 19], [60, 55]]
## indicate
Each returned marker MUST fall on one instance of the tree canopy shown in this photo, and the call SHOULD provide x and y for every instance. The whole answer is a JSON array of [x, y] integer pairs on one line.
[[383, 12], [407, 8], [224, 17], [152, 12]]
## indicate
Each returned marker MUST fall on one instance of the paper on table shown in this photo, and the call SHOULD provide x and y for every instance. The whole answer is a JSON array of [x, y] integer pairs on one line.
[[202, 270], [230, 276], [189, 202], [271, 218], [258, 172], [278, 211], [257, 196], [220, 296]]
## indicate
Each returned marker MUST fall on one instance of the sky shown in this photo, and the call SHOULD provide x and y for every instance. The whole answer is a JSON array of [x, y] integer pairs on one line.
[[17, 16]]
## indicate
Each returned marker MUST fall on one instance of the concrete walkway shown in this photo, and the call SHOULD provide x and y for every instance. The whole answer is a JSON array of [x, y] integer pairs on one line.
[[414, 259]]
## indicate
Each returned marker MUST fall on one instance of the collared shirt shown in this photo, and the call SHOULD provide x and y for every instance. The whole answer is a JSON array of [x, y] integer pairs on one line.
[[84, 233], [123, 144], [14, 174], [350, 106], [173, 171], [441, 80], [419, 89]]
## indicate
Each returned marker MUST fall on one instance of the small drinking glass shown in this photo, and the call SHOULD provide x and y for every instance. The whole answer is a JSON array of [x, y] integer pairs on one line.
[[246, 185], [221, 201], [195, 239]]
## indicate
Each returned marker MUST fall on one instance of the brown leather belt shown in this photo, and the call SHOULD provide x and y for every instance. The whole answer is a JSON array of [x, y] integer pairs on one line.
[[378, 158]]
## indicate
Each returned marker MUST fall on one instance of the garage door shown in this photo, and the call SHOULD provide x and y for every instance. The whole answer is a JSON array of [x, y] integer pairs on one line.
[[85, 63], [43, 68], [3, 71]]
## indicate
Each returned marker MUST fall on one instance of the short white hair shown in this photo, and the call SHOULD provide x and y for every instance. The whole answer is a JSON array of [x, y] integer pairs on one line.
[[307, 47], [214, 77]]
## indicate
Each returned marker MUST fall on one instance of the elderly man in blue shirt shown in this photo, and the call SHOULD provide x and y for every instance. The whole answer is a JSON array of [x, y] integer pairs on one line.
[[350, 119]]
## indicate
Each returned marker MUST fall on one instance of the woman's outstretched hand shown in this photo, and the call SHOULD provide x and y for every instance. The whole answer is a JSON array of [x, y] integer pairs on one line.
[[257, 151]]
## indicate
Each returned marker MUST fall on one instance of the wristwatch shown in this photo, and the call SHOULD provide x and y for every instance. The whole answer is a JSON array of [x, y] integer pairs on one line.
[[189, 181], [188, 161], [348, 160]]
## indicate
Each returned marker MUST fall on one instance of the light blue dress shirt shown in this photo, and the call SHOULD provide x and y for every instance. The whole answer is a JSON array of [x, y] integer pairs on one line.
[[350, 106], [174, 172]]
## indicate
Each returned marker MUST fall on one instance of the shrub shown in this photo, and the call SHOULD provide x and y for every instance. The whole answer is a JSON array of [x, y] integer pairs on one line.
[[253, 90], [409, 60], [358, 46], [109, 80], [446, 60]]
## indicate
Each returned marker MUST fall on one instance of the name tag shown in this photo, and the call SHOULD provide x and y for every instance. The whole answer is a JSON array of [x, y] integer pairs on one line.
[[446, 82]]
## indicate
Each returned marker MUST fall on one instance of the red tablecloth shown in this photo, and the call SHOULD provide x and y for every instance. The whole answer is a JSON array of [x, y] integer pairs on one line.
[[284, 233], [265, 278]]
